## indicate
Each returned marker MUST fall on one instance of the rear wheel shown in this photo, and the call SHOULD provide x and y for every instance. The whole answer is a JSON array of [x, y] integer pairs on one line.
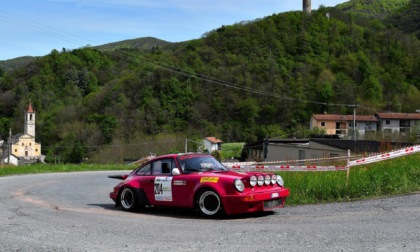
[[209, 204], [128, 199]]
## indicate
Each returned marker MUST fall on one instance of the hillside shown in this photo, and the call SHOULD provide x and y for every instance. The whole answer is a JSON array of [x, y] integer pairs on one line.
[[147, 43], [408, 19], [372, 8], [240, 82], [10, 65]]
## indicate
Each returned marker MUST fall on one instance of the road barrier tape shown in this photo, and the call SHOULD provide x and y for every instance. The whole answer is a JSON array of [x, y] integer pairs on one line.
[[288, 161], [253, 166], [381, 157], [267, 168]]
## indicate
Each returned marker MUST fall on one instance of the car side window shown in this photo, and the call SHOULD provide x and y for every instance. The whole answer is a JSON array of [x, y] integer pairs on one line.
[[162, 167], [144, 171]]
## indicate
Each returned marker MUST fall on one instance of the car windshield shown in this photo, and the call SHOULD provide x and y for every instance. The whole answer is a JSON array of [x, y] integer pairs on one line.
[[197, 163]]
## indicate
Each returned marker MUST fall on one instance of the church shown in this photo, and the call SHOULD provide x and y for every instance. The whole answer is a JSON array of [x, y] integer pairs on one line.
[[22, 147]]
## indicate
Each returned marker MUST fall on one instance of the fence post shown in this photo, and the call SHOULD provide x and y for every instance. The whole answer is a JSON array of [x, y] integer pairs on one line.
[[348, 170]]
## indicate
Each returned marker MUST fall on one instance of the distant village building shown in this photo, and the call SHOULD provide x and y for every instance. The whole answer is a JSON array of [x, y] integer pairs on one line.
[[342, 125], [389, 124], [399, 123], [212, 144], [23, 146]]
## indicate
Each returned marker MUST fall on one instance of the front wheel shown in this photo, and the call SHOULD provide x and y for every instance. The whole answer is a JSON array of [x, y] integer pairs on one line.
[[128, 199], [209, 203]]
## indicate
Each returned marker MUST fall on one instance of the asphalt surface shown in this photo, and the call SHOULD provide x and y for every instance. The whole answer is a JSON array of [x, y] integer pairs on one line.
[[73, 212]]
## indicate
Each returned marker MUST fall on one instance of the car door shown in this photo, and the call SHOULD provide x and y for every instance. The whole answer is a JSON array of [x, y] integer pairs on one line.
[[146, 180], [162, 182], [182, 188]]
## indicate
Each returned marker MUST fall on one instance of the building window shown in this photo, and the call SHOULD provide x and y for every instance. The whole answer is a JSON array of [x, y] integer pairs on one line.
[[15, 150], [387, 122], [322, 124], [36, 150], [405, 123], [30, 144], [22, 144]]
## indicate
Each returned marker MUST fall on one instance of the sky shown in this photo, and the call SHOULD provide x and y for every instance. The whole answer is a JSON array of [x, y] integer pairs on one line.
[[36, 27]]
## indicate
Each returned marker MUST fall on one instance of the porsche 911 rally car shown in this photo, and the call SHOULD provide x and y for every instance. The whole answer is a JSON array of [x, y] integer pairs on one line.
[[198, 181]]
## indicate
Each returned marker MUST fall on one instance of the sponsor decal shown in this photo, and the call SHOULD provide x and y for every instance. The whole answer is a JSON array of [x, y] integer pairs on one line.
[[163, 188], [180, 182], [209, 179]]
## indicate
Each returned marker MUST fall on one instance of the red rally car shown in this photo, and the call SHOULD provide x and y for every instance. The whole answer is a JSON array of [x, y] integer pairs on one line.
[[198, 181]]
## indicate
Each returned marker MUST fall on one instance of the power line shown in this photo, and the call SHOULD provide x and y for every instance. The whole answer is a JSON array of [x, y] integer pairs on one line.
[[8, 17]]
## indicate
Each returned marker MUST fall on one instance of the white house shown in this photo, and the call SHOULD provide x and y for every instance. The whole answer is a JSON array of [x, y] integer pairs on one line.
[[12, 159], [401, 123], [212, 144]]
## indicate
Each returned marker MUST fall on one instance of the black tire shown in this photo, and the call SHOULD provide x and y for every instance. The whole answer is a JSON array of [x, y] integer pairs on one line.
[[209, 203], [128, 199]]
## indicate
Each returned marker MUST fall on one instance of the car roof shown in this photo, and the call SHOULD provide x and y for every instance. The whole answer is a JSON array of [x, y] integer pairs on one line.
[[179, 154]]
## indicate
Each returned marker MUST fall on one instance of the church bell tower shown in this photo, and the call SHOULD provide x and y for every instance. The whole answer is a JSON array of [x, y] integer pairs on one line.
[[29, 127]]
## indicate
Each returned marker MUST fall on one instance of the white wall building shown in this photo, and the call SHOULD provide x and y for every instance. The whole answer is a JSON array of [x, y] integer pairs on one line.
[[212, 144]]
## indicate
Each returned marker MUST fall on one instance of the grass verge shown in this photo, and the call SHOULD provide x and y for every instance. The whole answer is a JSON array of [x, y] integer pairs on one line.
[[391, 177]]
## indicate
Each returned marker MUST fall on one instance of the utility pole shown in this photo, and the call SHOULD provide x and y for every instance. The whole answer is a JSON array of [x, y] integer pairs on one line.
[[9, 143], [354, 120], [186, 145]]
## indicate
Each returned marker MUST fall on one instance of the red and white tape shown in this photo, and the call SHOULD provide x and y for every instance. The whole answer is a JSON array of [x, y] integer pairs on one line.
[[286, 168], [248, 166], [381, 157]]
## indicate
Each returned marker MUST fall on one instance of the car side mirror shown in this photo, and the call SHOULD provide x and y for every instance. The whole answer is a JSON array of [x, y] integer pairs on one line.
[[175, 172]]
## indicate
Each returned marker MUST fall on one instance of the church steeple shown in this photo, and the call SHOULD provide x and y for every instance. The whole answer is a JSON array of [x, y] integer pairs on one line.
[[29, 127]]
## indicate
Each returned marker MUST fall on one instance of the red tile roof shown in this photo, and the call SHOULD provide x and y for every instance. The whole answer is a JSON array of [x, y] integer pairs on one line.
[[214, 140], [30, 109], [359, 118], [406, 116]]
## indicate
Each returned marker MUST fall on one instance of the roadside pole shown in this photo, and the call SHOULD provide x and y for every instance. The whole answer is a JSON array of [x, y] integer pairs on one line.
[[9, 143], [348, 170]]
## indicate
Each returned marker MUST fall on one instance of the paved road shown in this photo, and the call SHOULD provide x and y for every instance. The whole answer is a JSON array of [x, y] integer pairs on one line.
[[72, 212]]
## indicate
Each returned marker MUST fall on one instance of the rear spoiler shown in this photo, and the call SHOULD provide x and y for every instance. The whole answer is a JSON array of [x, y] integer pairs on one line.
[[122, 177]]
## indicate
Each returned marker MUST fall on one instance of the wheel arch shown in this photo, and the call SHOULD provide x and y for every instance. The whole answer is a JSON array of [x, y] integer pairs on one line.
[[140, 195], [203, 188]]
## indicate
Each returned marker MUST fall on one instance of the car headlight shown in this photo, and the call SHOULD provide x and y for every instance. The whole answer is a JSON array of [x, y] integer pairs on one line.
[[239, 185], [253, 180], [260, 180], [273, 179], [267, 179], [280, 181]]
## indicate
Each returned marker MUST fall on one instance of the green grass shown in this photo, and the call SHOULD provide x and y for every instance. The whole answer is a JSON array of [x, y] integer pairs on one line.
[[45, 168], [231, 150], [392, 177]]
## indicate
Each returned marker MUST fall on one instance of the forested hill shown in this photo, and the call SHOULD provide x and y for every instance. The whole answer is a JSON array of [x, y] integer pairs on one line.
[[239, 82], [373, 8]]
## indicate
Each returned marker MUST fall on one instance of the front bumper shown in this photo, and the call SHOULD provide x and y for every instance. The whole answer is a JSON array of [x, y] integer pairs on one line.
[[255, 201]]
